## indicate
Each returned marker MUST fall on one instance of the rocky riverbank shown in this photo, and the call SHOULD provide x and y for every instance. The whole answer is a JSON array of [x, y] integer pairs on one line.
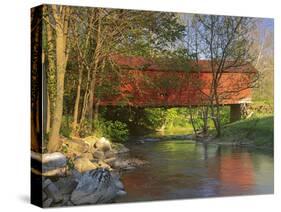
[[84, 172]]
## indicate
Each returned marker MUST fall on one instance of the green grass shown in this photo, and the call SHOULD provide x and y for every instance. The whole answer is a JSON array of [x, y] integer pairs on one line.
[[257, 131]]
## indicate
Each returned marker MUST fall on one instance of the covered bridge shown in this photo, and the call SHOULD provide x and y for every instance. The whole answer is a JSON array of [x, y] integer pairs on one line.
[[144, 83]]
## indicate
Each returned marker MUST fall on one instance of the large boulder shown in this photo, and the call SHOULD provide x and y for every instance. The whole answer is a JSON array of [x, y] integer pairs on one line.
[[66, 184], [88, 155], [109, 154], [49, 164], [103, 144], [52, 191], [47, 203], [110, 160], [98, 154], [52, 161], [75, 147], [97, 186], [103, 164], [118, 148], [84, 164], [90, 141]]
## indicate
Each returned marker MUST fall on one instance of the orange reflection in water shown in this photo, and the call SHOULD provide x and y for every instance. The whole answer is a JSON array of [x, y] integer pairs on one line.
[[136, 184], [236, 170]]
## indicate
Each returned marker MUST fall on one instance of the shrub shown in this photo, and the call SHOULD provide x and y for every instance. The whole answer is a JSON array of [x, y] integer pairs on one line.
[[116, 131], [113, 130], [225, 115], [85, 128], [155, 117], [100, 128]]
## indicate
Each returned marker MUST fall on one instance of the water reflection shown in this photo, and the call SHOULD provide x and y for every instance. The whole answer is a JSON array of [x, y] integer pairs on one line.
[[184, 169]]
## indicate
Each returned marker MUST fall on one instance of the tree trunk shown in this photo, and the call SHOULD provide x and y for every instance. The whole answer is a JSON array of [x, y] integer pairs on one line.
[[51, 72], [96, 114], [215, 110], [61, 61], [86, 94], [192, 121], [215, 115], [218, 118], [205, 119], [94, 73], [54, 144], [48, 121], [77, 100]]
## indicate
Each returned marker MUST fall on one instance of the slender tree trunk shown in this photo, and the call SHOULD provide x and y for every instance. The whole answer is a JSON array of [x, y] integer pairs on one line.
[[218, 121], [215, 112], [85, 105], [97, 104], [94, 73], [85, 98], [77, 100], [45, 95], [86, 47], [205, 119], [48, 122], [96, 114], [192, 121], [218, 118]]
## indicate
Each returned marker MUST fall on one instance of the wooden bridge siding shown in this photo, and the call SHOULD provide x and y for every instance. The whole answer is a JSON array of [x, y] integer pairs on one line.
[[170, 88]]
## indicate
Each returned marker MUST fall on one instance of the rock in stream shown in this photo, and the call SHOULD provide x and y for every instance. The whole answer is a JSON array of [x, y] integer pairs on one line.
[[97, 186]]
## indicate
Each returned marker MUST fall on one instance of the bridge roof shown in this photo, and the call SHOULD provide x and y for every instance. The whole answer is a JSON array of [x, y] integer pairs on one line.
[[169, 64]]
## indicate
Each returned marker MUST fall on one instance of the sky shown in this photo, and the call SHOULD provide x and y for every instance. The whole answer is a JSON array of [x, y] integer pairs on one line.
[[266, 29], [268, 23], [263, 35]]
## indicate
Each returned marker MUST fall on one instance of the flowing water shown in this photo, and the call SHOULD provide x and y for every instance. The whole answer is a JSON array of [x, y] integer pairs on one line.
[[185, 169]]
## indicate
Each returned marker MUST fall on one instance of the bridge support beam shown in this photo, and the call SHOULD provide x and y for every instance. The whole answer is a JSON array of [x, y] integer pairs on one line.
[[235, 112]]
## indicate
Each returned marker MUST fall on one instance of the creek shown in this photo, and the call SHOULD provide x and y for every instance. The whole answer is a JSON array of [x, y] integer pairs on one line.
[[186, 169]]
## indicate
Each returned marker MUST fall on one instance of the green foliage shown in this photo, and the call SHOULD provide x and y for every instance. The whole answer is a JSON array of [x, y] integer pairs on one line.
[[150, 33], [176, 117], [258, 130], [176, 60], [66, 126], [107, 87], [113, 130], [64, 148], [156, 118], [70, 164], [85, 128], [116, 131], [225, 115], [197, 114]]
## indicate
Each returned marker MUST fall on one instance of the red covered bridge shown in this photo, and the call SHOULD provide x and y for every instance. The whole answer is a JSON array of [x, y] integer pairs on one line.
[[143, 83]]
